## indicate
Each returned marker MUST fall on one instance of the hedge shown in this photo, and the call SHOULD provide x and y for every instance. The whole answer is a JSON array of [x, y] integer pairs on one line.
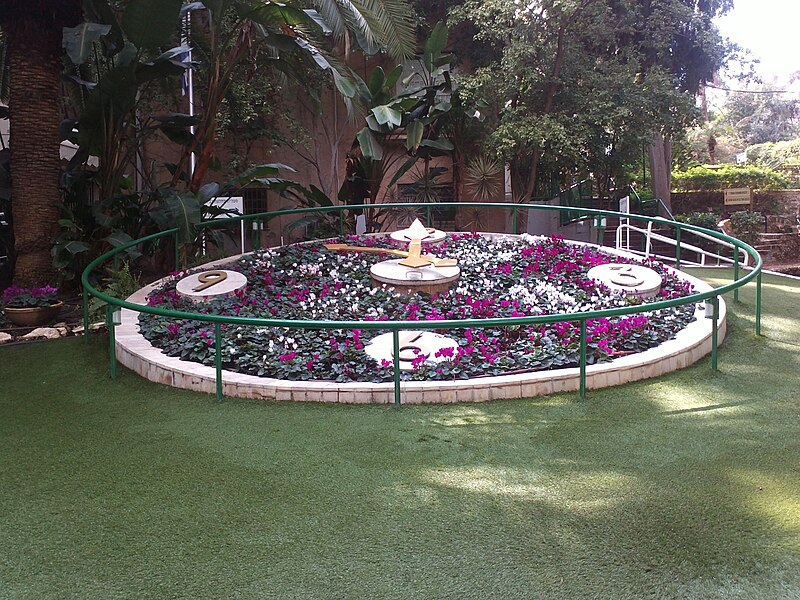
[[709, 178]]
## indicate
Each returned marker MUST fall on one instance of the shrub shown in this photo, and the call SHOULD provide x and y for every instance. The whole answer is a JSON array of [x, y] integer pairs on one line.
[[746, 226], [774, 154], [709, 178], [707, 220], [700, 219], [119, 284]]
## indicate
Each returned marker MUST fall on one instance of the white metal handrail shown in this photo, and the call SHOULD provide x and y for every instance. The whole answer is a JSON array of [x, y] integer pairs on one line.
[[623, 242]]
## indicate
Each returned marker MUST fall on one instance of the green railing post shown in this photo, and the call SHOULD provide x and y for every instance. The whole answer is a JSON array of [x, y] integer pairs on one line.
[[218, 359], [714, 323], [758, 304], [177, 251], [112, 349], [583, 358], [600, 224], [428, 219], [678, 247], [85, 315], [736, 272], [514, 221], [396, 360], [256, 237], [341, 223]]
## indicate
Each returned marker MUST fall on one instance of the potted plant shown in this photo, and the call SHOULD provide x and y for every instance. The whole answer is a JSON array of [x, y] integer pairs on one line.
[[29, 307]]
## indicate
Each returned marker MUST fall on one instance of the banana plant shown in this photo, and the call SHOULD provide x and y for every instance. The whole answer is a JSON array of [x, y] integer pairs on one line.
[[114, 62], [291, 38], [416, 114]]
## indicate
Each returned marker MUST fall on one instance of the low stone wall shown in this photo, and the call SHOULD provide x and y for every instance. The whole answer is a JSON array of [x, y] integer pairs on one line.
[[778, 202]]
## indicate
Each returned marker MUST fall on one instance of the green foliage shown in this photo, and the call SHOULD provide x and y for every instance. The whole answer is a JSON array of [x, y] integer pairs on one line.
[[775, 154], [417, 112], [87, 230], [581, 87], [760, 118], [120, 283], [747, 226], [375, 24], [409, 125], [707, 220], [482, 178], [117, 65], [719, 177]]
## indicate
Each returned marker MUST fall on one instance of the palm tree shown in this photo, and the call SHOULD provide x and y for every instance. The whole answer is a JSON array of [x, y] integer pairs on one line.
[[32, 31]]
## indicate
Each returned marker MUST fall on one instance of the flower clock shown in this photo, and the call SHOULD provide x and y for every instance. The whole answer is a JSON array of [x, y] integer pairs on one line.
[[501, 277]]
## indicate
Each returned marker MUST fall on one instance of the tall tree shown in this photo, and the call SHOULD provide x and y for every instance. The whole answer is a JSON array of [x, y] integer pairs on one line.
[[680, 37], [758, 116], [33, 44], [577, 82]]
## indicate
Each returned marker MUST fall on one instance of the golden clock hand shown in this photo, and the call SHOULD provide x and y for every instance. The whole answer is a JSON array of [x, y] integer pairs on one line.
[[432, 260]]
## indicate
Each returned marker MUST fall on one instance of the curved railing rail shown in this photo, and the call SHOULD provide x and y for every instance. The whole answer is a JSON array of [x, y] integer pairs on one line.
[[395, 327]]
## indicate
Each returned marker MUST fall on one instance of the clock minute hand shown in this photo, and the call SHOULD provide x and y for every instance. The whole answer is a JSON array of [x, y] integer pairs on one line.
[[433, 260]]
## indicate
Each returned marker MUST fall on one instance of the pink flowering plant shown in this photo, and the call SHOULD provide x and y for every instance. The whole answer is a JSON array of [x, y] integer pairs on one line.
[[501, 277], [19, 297]]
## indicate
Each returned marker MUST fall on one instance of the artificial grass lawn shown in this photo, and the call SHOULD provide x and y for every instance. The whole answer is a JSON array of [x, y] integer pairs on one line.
[[685, 486]]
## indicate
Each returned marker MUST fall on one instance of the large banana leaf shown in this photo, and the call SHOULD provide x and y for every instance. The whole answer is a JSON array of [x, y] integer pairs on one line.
[[370, 146], [181, 210], [78, 41], [151, 23]]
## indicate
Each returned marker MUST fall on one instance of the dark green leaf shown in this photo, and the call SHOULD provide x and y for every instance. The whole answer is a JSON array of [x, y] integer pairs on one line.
[[370, 147], [437, 144], [376, 81], [151, 23], [99, 11], [260, 171], [405, 168], [77, 41], [387, 115], [75, 247], [346, 87], [177, 119], [414, 131], [434, 47], [207, 192]]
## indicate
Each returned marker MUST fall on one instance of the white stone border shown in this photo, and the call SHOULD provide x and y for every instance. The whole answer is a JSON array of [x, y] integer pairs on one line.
[[689, 345]]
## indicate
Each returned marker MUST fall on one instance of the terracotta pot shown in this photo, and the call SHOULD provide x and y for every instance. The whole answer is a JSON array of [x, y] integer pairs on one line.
[[33, 316]]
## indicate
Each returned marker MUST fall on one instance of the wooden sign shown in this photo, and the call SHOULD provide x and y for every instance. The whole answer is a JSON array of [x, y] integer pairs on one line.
[[737, 196]]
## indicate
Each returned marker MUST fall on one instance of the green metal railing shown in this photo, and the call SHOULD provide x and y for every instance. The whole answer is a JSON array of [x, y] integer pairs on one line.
[[712, 296]]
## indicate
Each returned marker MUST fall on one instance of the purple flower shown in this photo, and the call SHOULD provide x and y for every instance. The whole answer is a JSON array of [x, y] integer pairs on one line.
[[18, 297]]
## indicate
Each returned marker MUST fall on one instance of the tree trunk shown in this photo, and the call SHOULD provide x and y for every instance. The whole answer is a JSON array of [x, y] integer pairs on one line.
[[34, 61], [660, 155]]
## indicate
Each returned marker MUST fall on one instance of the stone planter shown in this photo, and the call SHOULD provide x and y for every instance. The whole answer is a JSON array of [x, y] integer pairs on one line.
[[33, 316]]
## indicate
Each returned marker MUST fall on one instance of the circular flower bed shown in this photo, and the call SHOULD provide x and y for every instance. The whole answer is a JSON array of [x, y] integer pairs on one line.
[[503, 277]]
